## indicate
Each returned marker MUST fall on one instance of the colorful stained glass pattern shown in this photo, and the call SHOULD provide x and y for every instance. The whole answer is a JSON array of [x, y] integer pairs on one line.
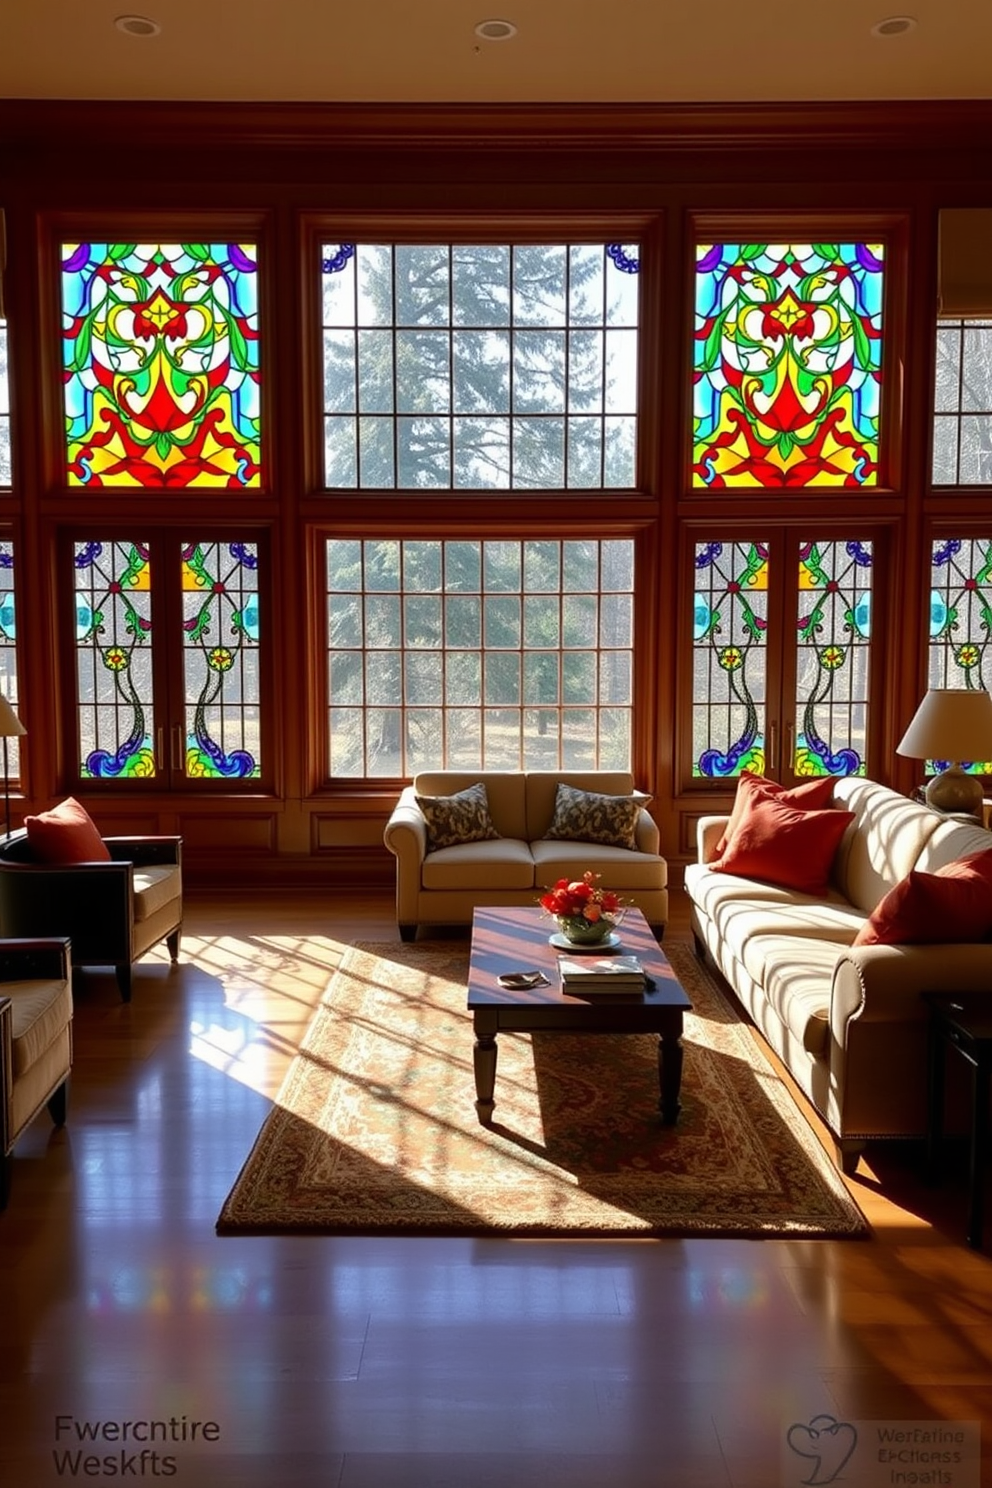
[[730, 623], [788, 365], [8, 647], [113, 660], [475, 654], [492, 367], [832, 671], [5, 462], [962, 422], [161, 365], [961, 622], [220, 660]]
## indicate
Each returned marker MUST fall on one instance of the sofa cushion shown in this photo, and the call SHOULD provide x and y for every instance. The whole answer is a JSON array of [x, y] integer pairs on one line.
[[952, 841], [454, 820], [741, 908], [784, 845], [796, 976], [621, 869], [154, 888], [952, 905], [480, 867], [39, 1010], [588, 816], [810, 795], [66, 834], [888, 837]]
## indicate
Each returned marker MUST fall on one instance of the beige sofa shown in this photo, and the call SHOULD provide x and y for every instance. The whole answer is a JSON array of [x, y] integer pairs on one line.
[[849, 1022], [443, 887], [35, 1039]]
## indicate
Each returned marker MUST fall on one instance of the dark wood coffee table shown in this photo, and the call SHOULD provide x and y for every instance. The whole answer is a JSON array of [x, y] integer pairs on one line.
[[516, 939]]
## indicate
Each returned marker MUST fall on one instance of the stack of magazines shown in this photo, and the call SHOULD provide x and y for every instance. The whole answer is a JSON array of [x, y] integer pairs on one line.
[[601, 974]]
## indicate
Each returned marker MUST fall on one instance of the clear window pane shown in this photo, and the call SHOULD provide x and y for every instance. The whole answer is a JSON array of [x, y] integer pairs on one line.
[[510, 654], [962, 428], [463, 360]]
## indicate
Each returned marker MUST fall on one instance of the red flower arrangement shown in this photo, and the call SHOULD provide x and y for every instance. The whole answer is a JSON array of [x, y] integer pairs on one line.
[[581, 899]]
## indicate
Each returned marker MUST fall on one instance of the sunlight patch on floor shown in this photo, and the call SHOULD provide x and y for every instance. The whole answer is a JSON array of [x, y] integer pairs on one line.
[[271, 986]]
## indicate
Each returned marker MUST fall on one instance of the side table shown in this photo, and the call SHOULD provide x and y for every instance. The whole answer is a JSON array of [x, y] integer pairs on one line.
[[963, 1020]]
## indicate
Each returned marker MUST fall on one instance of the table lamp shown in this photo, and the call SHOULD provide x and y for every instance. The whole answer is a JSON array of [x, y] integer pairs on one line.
[[954, 724], [11, 727]]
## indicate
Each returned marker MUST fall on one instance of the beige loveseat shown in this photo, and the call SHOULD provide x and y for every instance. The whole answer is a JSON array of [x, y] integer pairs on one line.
[[848, 1021], [443, 887]]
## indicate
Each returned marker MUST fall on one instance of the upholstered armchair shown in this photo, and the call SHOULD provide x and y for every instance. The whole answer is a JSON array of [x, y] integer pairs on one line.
[[35, 1039], [113, 911]]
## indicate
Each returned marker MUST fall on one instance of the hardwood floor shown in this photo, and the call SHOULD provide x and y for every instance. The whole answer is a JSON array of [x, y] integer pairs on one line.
[[392, 1363]]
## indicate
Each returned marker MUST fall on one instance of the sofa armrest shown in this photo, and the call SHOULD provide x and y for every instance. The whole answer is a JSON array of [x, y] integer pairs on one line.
[[84, 901], [883, 983], [709, 830], [406, 830], [405, 835], [647, 837], [145, 851], [42, 958]]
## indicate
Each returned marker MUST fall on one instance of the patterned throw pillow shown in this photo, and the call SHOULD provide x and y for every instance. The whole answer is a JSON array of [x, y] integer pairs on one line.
[[452, 820], [587, 816]]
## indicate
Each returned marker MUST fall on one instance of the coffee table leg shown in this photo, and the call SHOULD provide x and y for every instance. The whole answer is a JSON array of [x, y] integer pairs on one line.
[[484, 1059], [670, 1076]]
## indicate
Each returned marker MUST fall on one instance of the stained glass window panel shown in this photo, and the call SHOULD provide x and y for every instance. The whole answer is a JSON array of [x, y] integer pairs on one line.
[[161, 365], [730, 618], [8, 648], [788, 365], [113, 589], [485, 367], [5, 463], [962, 421], [502, 653], [220, 657], [961, 622], [832, 658]]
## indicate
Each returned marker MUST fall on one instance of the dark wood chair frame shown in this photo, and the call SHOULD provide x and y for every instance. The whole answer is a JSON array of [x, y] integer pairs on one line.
[[91, 903]]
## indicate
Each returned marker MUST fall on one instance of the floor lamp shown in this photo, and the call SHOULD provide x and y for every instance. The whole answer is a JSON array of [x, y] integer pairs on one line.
[[11, 727]]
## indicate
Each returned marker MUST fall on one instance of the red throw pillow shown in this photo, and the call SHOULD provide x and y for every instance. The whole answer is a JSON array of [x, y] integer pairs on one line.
[[953, 905], [66, 834], [811, 795], [784, 845]]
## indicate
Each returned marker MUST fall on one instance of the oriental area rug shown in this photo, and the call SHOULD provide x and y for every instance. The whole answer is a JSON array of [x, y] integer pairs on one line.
[[375, 1129]]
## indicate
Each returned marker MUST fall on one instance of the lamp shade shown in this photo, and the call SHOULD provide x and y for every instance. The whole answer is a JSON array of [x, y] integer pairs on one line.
[[11, 726], [950, 724]]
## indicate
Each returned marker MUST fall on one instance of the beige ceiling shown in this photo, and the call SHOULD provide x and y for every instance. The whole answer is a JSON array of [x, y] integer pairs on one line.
[[644, 51]]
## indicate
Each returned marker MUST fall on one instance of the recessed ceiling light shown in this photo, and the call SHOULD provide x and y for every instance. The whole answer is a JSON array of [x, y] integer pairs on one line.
[[894, 26], [496, 30], [133, 25]]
